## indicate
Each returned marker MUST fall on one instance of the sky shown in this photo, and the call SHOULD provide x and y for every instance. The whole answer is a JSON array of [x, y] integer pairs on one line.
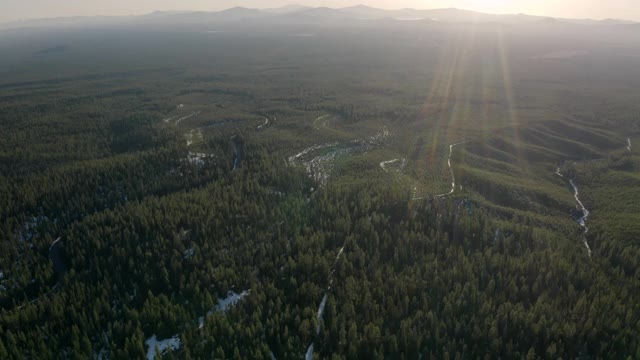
[[594, 9]]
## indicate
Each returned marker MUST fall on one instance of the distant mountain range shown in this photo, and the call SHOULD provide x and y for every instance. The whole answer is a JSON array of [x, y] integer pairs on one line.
[[302, 14]]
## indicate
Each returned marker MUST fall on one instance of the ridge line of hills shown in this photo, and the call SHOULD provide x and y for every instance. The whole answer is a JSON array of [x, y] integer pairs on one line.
[[298, 13]]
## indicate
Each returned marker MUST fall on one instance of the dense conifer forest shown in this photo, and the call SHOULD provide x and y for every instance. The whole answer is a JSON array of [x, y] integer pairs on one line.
[[192, 195]]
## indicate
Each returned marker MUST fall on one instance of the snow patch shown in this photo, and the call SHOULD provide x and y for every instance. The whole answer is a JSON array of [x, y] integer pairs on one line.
[[189, 252], [197, 159], [628, 144], [266, 122], [231, 299], [102, 355], [195, 113], [402, 161], [172, 343], [309, 354], [320, 163], [29, 228], [318, 119], [224, 304], [277, 193], [193, 135]]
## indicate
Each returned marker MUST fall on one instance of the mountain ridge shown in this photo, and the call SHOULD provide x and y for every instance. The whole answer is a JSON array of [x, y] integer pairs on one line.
[[289, 12]]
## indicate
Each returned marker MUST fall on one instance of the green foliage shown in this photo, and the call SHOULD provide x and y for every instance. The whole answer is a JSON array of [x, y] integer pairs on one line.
[[167, 195]]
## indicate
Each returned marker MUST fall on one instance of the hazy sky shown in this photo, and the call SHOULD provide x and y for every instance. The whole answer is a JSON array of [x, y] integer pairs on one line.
[[595, 9]]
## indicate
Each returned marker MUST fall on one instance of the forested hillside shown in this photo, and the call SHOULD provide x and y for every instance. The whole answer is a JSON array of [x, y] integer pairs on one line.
[[398, 191]]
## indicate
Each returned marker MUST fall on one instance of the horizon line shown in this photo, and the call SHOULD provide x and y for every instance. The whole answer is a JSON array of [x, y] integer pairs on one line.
[[316, 7]]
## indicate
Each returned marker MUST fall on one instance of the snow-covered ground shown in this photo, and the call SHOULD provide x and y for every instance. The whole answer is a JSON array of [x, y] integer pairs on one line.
[[266, 122], [231, 299], [308, 150], [315, 122], [224, 304], [103, 354], [385, 164], [319, 159], [189, 252], [28, 230], [191, 136], [197, 159], [172, 343], [195, 113]]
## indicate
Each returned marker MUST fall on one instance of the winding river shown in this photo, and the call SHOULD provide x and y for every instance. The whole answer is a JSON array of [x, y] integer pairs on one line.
[[453, 177], [582, 220], [323, 304], [55, 254], [237, 149]]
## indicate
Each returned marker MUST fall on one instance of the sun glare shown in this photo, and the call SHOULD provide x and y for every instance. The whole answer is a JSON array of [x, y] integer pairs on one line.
[[490, 6]]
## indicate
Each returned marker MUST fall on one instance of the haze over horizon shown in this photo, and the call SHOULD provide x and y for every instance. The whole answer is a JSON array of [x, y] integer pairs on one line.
[[12, 10]]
